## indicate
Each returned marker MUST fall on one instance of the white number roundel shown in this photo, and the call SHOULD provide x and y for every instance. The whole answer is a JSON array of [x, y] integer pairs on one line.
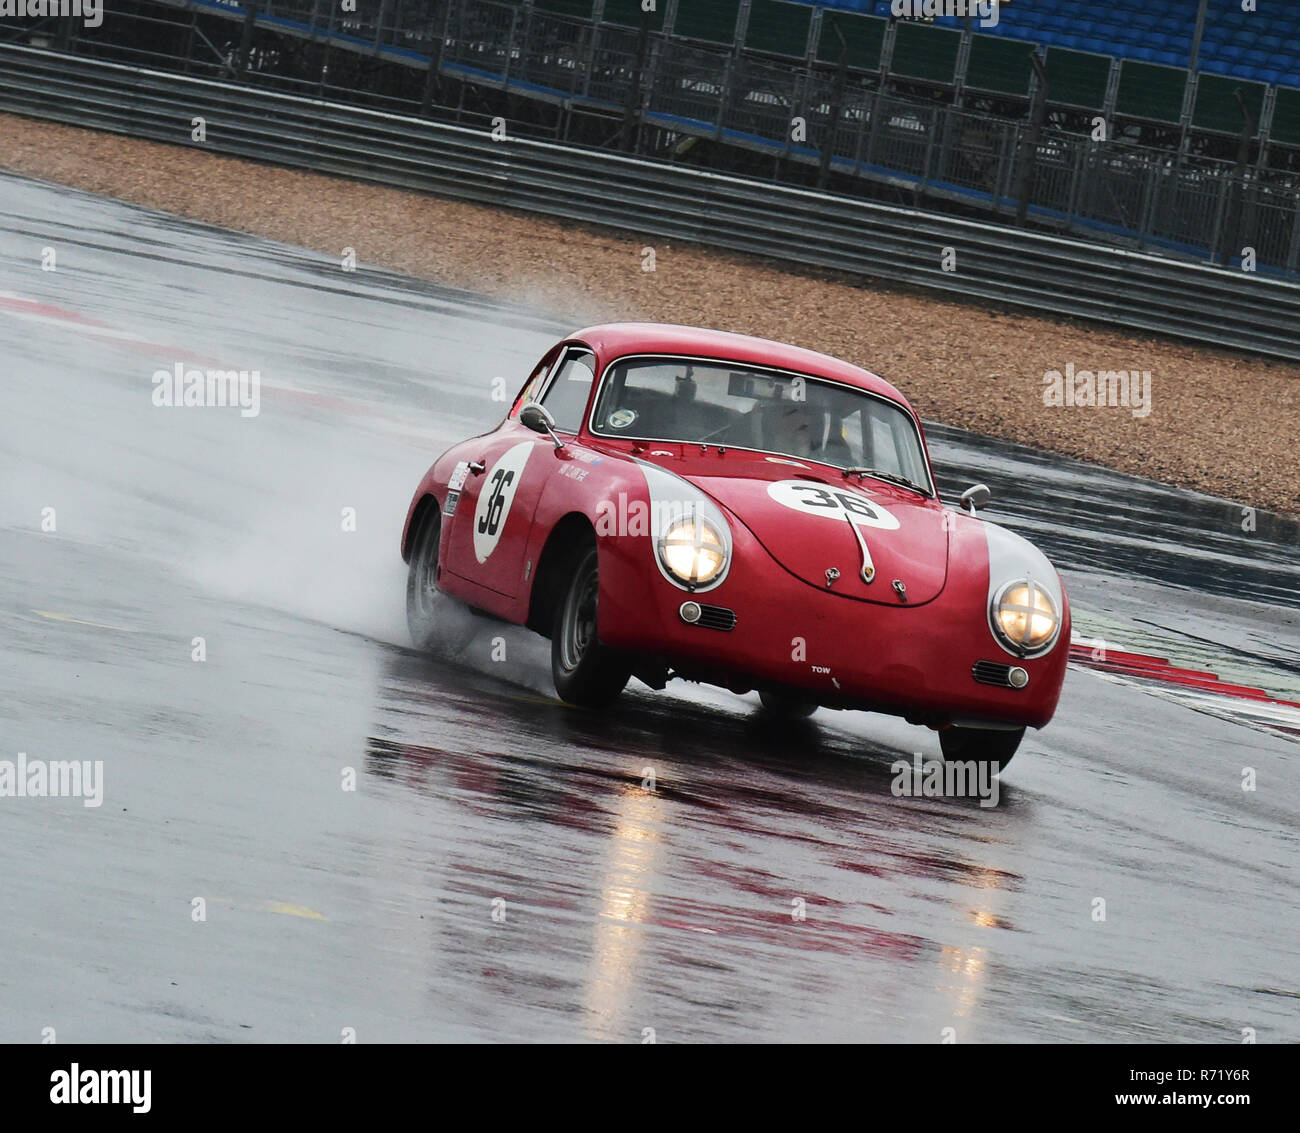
[[831, 503], [500, 483]]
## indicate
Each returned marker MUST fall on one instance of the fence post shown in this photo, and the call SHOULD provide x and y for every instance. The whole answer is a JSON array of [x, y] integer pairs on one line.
[[510, 41], [1076, 184], [245, 41], [1029, 141], [1150, 198], [597, 18], [835, 109], [862, 137], [1224, 188], [631, 131], [1293, 255], [433, 80]]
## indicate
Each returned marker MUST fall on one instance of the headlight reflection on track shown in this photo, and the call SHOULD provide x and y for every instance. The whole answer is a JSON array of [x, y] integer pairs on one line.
[[624, 902]]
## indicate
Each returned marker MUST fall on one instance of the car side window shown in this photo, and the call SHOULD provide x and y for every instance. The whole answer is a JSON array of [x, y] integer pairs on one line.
[[567, 395], [533, 386]]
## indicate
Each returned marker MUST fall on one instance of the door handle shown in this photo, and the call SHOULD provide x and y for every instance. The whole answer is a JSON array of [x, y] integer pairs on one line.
[[477, 467]]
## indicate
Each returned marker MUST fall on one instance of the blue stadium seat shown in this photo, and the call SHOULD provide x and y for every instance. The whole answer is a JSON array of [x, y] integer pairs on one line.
[[1261, 46]]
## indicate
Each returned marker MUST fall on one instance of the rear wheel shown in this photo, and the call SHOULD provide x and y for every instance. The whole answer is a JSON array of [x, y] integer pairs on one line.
[[586, 673], [984, 745], [785, 706]]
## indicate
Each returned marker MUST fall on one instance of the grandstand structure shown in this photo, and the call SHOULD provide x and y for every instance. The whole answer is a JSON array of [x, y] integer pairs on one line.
[[1173, 127]]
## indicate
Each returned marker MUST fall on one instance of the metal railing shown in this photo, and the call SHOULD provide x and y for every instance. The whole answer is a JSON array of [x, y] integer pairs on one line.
[[1008, 265], [1136, 196]]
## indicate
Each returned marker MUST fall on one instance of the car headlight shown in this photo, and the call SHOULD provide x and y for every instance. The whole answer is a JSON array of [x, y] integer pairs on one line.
[[693, 551], [1025, 618]]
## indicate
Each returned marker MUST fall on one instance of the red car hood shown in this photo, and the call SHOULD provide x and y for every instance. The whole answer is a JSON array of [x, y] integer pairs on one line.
[[802, 516]]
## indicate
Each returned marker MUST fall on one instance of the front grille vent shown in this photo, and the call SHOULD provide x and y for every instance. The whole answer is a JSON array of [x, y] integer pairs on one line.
[[717, 617], [992, 673]]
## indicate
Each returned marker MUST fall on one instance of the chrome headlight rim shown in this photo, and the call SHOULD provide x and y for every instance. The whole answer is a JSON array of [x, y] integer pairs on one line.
[[1008, 643], [720, 534]]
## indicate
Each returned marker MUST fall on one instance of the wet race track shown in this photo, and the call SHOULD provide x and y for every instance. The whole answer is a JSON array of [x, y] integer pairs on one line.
[[625, 910]]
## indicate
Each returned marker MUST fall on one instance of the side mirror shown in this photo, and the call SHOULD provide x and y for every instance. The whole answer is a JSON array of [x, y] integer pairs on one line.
[[976, 496], [538, 418]]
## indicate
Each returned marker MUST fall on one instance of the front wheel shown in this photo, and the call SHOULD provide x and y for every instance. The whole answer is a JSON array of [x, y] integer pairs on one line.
[[785, 706], [586, 673], [984, 745]]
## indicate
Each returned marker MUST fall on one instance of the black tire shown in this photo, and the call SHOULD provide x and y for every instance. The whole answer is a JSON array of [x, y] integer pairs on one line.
[[426, 608], [984, 745], [586, 673], [785, 706]]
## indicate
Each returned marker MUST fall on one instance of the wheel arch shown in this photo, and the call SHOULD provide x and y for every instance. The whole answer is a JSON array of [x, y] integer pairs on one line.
[[427, 503], [572, 532]]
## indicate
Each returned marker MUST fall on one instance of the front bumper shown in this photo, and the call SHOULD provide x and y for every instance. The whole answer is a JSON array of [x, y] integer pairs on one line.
[[915, 661]]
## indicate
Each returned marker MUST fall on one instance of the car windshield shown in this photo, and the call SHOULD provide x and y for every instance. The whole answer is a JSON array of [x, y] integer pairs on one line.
[[728, 405]]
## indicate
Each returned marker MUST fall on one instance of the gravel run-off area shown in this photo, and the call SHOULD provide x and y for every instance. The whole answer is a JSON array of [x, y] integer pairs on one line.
[[1220, 422]]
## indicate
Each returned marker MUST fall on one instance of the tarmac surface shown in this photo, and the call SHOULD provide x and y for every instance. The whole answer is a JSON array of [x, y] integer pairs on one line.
[[499, 872]]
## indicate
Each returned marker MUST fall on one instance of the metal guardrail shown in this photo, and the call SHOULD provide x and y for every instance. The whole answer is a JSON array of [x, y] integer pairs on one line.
[[1042, 273]]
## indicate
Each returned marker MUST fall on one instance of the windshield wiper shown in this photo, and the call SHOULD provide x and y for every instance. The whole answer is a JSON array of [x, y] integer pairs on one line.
[[888, 477]]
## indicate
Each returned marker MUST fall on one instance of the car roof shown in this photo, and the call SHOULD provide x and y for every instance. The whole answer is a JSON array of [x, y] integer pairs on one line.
[[613, 340]]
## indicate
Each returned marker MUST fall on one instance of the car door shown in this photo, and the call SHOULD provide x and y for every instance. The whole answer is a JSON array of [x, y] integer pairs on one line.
[[501, 487]]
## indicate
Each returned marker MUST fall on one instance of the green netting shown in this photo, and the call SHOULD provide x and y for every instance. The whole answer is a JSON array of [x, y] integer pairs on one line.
[[1286, 116], [1217, 107], [864, 35], [999, 64], [581, 8], [1077, 78], [1148, 90], [779, 27], [628, 13], [923, 52], [708, 19]]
